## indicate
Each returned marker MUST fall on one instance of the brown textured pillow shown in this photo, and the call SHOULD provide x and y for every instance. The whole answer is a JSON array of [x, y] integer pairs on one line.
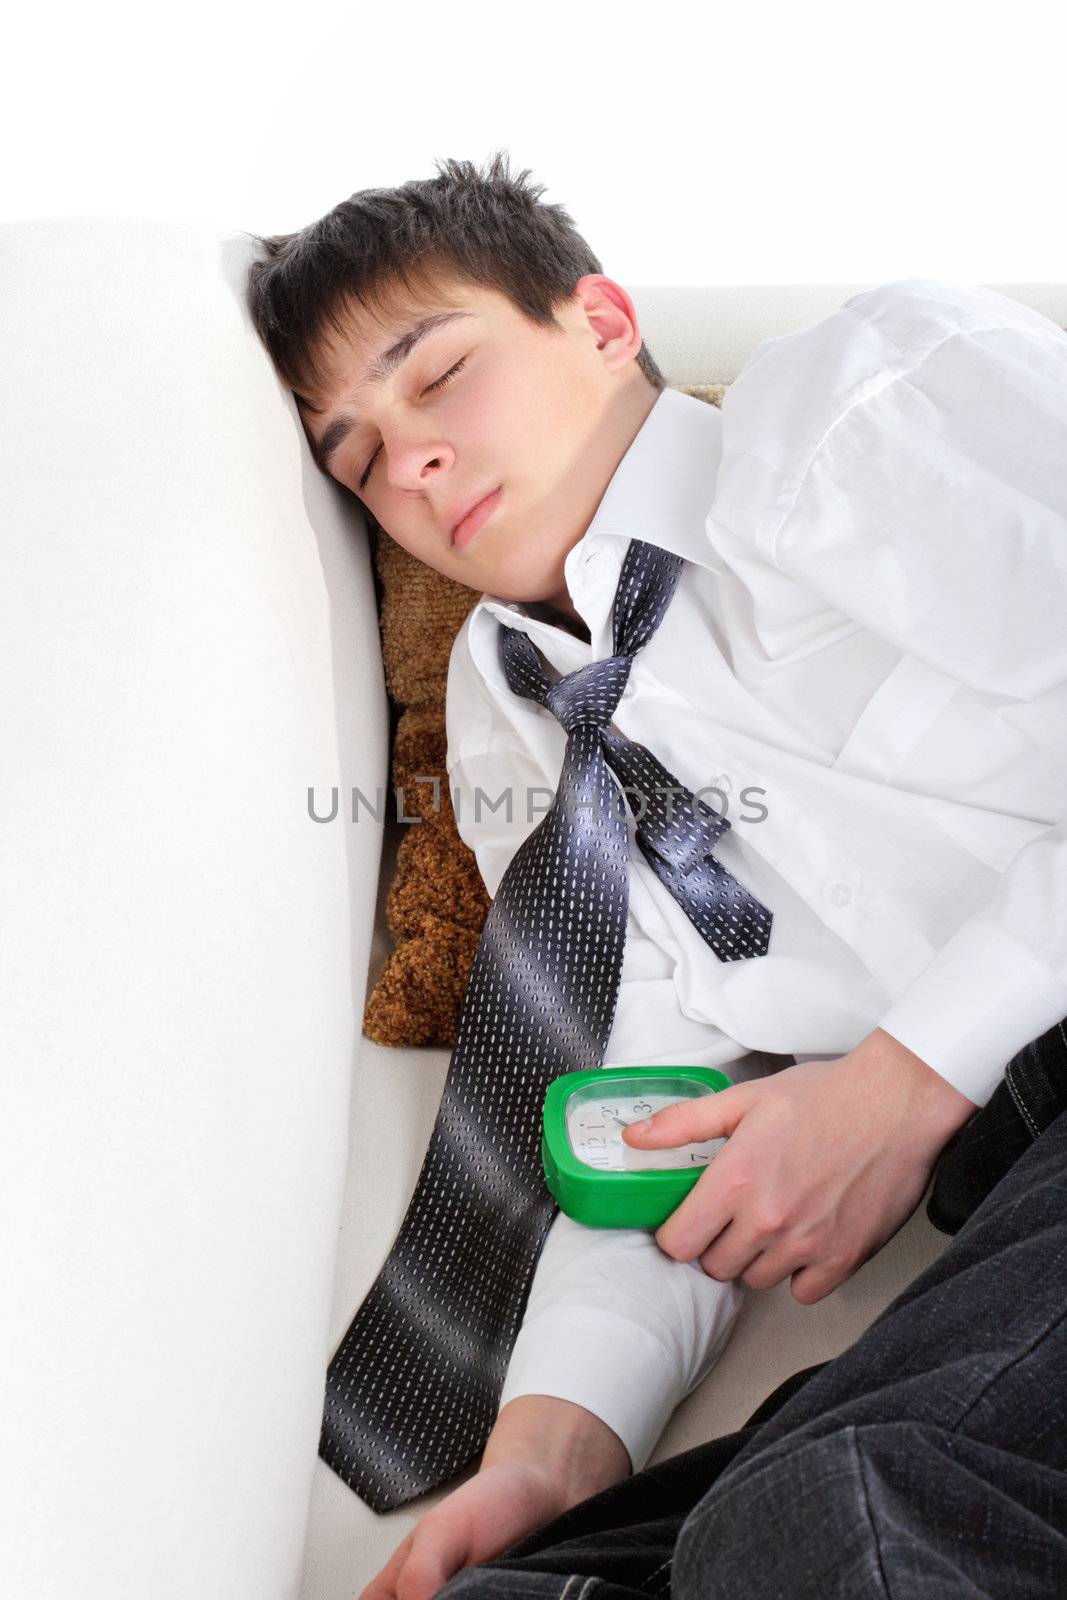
[[437, 902]]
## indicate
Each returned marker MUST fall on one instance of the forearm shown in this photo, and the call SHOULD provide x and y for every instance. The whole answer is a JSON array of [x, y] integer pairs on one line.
[[577, 1452]]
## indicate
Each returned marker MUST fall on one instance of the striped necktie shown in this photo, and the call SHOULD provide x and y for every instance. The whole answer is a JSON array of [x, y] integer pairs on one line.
[[413, 1389]]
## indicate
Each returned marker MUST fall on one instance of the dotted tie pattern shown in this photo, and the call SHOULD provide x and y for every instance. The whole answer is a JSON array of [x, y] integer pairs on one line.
[[413, 1389]]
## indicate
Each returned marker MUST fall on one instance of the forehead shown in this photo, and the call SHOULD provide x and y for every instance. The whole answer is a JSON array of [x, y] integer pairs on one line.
[[366, 343]]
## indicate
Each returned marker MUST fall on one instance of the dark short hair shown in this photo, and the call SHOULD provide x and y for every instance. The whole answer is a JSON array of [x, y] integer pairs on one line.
[[381, 245]]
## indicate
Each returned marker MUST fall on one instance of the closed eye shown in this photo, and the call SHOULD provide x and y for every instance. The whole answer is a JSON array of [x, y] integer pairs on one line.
[[439, 384]]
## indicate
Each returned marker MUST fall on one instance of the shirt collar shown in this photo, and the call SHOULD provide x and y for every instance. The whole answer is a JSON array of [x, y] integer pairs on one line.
[[661, 492], [663, 487]]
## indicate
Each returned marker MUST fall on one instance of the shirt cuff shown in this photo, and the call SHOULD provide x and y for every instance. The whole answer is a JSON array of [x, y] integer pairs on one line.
[[615, 1368], [979, 1001]]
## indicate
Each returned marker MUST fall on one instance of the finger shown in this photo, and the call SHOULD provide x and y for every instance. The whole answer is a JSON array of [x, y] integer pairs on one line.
[[768, 1268], [732, 1255], [707, 1209], [707, 1116], [437, 1554], [423, 1576], [383, 1585], [816, 1281]]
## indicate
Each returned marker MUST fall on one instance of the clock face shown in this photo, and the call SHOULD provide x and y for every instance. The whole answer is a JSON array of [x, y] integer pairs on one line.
[[595, 1117]]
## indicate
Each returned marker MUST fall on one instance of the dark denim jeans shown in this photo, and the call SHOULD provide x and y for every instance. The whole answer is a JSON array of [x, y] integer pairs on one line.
[[928, 1460]]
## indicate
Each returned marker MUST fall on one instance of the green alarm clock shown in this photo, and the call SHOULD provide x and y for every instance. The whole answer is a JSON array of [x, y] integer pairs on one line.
[[596, 1178]]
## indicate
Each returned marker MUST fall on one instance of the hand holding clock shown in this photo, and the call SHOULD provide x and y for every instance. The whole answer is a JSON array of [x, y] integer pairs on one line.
[[824, 1161]]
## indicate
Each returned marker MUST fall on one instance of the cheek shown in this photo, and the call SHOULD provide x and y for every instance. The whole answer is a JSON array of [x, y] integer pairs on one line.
[[556, 420], [486, 421], [421, 549]]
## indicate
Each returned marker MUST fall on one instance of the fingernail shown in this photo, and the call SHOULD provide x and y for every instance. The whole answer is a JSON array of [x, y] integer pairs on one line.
[[639, 1127]]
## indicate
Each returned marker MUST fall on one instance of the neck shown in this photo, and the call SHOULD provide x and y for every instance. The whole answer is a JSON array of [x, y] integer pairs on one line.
[[624, 419]]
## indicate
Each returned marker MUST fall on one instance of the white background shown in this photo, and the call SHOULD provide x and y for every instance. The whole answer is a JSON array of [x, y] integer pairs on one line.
[[710, 143]]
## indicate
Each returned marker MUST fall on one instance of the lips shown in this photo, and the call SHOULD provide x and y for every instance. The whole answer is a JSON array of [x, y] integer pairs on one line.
[[474, 518]]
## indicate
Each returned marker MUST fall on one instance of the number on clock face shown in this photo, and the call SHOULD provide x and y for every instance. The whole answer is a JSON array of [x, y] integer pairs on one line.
[[595, 1124]]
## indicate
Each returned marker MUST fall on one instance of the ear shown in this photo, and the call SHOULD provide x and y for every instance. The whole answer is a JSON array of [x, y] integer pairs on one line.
[[612, 316]]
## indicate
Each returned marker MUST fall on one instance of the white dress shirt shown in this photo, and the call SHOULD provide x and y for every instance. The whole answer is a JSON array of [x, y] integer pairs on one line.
[[866, 656]]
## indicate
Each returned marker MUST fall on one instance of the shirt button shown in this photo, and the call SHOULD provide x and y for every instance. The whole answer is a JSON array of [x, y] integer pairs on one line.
[[627, 693], [840, 894], [722, 783]]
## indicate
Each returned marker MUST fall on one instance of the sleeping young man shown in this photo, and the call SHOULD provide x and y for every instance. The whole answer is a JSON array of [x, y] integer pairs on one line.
[[865, 659]]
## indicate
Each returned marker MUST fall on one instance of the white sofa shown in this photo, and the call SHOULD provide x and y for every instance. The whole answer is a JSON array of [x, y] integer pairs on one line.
[[203, 1163]]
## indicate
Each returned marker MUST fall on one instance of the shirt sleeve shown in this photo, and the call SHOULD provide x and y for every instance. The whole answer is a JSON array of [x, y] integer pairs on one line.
[[932, 508], [617, 1326]]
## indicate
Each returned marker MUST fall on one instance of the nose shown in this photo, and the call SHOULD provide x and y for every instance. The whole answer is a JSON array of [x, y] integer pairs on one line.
[[414, 463]]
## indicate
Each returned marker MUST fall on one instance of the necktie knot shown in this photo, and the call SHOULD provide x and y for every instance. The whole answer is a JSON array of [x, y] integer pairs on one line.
[[588, 697]]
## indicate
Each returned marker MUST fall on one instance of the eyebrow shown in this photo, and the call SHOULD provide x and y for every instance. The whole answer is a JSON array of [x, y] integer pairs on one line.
[[386, 364]]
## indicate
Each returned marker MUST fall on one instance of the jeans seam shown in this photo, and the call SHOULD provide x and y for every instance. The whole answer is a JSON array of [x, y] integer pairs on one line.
[[848, 1434], [586, 1589], [1020, 1355], [665, 1567], [862, 1476], [1020, 1105]]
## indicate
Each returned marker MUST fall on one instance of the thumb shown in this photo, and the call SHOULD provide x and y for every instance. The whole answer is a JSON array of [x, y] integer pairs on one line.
[[434, 1558], [706, 1116]]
